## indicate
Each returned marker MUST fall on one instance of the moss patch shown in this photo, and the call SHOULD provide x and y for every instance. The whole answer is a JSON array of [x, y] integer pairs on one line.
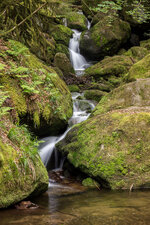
[[22, 172]]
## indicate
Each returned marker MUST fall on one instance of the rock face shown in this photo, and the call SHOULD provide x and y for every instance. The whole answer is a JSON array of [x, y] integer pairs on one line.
[[22, 172], [104, 38], [37, 94], [112, 146]]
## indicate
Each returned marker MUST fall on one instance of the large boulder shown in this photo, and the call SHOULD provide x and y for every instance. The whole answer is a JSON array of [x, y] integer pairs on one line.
[[110, 72], [104, 38], [22, 173], [37, 94], [112, 146], [76, 21], [110, 66]]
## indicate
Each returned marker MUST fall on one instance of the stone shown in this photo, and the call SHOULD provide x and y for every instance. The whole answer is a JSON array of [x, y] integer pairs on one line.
[[112, 146], [104, 38], [63, 63], [76, 21]]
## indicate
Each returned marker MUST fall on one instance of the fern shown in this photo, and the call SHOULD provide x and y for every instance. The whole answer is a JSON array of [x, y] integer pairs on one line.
[[3, 110]]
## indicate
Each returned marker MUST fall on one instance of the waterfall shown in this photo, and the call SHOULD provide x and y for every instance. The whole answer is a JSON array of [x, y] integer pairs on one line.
[[46, 149], [81, 108], [78, 61]]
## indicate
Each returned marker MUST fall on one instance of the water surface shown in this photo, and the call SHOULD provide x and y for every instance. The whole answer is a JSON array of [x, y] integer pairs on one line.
[[89, 208]]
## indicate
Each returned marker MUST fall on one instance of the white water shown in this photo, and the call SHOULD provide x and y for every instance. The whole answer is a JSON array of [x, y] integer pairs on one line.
[[81, 108], [46, 149], [78, 61]]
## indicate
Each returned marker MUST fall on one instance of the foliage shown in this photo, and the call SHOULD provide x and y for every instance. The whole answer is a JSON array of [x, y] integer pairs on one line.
[[138, 10], [3, 96]]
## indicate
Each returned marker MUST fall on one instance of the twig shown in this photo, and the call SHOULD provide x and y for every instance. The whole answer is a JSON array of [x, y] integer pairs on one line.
[[18, 25]]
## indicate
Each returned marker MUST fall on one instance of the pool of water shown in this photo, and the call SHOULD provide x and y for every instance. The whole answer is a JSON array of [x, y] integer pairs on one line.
[[94, 207]]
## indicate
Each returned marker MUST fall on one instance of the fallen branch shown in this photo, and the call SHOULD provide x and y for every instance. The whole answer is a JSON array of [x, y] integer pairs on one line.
[[18, 25]]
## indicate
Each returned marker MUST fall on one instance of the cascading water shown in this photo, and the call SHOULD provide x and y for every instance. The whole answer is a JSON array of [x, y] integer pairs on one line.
[[78, 61], [81, 108]]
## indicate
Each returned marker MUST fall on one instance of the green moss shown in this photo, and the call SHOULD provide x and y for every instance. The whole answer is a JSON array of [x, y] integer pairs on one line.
[[61, 34], [89, 182], [36, 118], [137, 53], [22, 171], [113, 144], [105, 37], [110, 66], [35, 89], [140, 69], [74, 88], [95, 95], [76, 21]]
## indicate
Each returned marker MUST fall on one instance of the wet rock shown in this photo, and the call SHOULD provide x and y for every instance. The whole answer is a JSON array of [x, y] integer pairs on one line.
[[26, 205]]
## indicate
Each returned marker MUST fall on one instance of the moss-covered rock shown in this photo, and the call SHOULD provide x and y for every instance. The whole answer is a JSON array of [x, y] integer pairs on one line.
[[116, 66], [113, 144], [63, 49], [104, 38], [131, 94], [39, 97], [141, 69], [74, 88], [76, 21], [145, 44], [63, 63], [137, 53], [22, 173], [61, 34], [95, 95]]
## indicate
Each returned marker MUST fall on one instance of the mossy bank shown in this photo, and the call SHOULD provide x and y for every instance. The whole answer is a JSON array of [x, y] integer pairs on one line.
[[35, 91]]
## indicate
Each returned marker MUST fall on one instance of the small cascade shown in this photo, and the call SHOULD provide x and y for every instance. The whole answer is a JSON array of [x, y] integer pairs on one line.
[[78, 61], [46, 149]]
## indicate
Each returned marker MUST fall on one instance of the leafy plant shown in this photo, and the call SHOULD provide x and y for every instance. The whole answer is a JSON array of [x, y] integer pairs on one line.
[[16, 49], [138, 10], [3, 96]]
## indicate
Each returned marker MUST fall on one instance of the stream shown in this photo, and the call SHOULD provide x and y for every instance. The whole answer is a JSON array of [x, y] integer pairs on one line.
[[89, 208]]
